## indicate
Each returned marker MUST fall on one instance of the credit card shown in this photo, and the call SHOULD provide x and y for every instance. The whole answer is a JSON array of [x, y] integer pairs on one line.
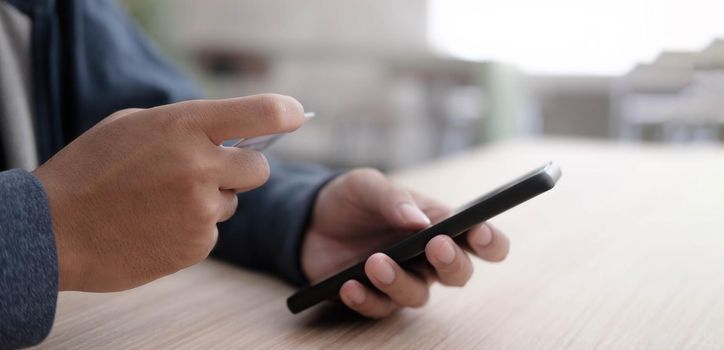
[[260, 143]]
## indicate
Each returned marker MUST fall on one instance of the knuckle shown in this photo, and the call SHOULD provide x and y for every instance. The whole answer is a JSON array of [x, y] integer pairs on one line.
[[120, 114], [195, 250], [464, 274], [460, 274], [501, 250], [399, 192], [256, 167], [191, 256], [210, 241], [366, 309], [183, 118], [126, 111], [422, 301], [230, 208], [188, 108], [184, 259], [364, 173], [198, 169], [206, 243], [185, 180], [358, 179], [458, 282], [169, 119], [263, 169], [233, 203], [498, 256], [206, 211], [199, 209], [374, 310], [420, 298], [193, 171]]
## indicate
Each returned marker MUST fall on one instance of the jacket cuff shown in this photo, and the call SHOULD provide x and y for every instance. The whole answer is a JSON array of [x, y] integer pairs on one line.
[[286, 233], [267, 230], [28, 261]]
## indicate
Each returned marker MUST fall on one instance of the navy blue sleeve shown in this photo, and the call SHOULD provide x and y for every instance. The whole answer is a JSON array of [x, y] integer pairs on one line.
[[28, 261], [267, 230], [112, 65]]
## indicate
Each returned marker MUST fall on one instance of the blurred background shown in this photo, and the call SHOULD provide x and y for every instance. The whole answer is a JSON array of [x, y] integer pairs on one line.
[[396, 83]]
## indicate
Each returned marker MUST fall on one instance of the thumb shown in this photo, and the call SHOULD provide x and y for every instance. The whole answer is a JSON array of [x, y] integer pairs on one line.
[[394, 202], [399, 208]]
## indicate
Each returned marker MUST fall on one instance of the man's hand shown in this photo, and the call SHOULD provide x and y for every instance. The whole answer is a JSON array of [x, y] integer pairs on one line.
[[138, 196], [362, 212]]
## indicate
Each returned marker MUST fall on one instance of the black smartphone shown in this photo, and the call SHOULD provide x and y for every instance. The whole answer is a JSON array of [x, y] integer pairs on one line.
[[480, 210]]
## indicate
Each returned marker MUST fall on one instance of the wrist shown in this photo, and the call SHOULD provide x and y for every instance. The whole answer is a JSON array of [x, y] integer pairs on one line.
[[69, 256]]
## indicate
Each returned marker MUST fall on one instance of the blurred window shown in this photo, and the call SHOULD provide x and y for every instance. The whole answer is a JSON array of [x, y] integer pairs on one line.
[[567, 37]]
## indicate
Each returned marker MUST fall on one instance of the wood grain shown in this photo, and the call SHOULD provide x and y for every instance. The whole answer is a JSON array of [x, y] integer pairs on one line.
[[627, 252]]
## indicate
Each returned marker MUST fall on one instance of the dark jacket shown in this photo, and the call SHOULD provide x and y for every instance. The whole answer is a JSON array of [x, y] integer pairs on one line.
[[89, 60]]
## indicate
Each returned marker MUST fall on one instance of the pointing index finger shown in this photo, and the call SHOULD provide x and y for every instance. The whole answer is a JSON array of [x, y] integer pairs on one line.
[[242, 117]]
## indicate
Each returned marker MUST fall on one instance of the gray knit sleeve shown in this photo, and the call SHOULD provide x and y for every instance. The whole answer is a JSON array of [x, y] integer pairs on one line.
[[28, 261]]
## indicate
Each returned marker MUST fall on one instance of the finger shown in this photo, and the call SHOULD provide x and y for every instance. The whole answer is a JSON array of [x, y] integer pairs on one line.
[[212, 240], [488, 243], [433, 208], [484, 240], [202, 247], [118, 115], [365, 301], [240, 117], [402, 287], [394, 202], [452, 264], [228, 204], [241, 169]]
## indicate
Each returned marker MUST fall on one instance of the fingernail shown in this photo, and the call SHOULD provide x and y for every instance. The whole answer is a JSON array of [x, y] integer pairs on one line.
[[484, 237], [446, 253], [413, 214], [357, 295], [385, 273]]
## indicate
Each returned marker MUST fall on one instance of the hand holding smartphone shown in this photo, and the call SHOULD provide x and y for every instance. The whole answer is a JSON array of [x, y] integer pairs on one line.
[[480, 210]]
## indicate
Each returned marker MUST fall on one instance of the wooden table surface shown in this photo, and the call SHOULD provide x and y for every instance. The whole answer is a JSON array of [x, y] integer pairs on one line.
[[628, 251]]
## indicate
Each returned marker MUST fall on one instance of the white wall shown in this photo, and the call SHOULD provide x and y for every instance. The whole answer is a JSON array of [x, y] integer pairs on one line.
[[273, 25]]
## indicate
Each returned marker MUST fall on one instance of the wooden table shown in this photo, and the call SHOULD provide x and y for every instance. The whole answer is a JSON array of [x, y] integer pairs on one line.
[[628, 251]]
